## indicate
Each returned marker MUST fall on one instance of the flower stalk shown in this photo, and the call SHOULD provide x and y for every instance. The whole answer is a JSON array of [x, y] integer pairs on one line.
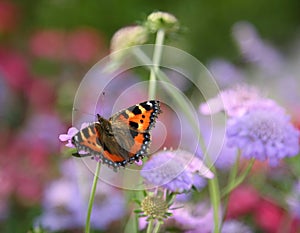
[[92, 198], [156, 61]]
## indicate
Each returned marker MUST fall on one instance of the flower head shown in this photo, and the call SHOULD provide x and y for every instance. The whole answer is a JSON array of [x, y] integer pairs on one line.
[[128, 36], [264, 133], [235, 101], [162, 20], [176, 171], [154, 207]]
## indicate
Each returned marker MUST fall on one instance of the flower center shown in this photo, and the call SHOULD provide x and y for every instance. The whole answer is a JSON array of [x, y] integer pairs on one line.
[[154, 207], [266, 127]]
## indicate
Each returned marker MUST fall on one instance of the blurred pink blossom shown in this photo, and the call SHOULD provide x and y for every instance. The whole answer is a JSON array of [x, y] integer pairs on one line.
[[85, 45], [48, 43], [15, 69]]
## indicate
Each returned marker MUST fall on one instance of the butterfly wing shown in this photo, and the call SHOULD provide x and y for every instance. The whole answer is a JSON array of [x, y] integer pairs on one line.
[[131, 127]]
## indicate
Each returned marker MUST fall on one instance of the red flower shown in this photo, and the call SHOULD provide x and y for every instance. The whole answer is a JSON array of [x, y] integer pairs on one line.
[[243, 200], [269, 216]]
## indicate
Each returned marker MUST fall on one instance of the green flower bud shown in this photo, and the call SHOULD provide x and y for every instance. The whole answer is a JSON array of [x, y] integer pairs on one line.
[[162, 20]]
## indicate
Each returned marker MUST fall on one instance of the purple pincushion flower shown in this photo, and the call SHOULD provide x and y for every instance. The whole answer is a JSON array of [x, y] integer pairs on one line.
[[176, 171], [264, 133]]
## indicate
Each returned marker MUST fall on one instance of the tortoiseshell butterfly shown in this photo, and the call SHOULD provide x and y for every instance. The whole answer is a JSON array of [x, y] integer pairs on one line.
[[123, 138]]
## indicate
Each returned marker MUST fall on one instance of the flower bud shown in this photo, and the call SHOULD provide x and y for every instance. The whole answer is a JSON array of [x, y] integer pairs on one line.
[[162, 20]]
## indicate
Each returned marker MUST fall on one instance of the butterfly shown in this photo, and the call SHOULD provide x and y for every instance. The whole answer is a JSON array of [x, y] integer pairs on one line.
[[123, 138]]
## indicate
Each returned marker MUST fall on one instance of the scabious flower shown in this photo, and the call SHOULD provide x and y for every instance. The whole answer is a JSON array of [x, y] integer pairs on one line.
[[176, 171], [264, 133], [234, 101]]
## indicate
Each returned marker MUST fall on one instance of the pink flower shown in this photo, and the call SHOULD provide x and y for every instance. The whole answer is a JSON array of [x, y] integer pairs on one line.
[[48, 43], [242, 200], [14, 69], [85, 45], [269, 216], [68, 136], [235, 102]]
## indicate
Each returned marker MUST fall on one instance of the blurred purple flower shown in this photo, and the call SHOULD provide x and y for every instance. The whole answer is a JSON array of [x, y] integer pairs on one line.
[[293, 200], [194, 218], [225, 73], [65, 203], [176, 171], [235, 101], [264, 133], [234, 226], [255, 49], [61, 212]]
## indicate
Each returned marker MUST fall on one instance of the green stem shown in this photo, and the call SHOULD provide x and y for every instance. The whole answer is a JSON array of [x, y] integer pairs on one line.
[[239, 180], [157, 226], [231, 180], [150, 226], [92, 197], [214, 190], [160, 36]]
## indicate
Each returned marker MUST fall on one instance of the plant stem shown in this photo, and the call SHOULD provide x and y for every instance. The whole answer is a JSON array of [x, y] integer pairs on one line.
[[231, 180], [157, 226], [92, 197], [160, 36], [239, 180], [214, 191], [150, 226]]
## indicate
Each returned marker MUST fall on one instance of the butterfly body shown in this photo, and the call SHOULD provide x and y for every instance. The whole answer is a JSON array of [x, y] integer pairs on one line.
[[123, 138]]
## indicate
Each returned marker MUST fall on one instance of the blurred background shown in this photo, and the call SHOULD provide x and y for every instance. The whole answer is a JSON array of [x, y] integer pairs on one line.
[[46, 47]]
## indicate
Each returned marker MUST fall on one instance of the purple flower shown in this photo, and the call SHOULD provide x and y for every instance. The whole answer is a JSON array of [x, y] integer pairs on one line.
[[194, 218], [68, 136], [176, 171], [234, 226], [264, 133], [65, 202], [225, 73], [256, 50], [235, 101]]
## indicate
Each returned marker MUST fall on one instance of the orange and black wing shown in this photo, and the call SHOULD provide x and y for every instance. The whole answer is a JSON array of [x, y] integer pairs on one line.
[[131, 128]]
